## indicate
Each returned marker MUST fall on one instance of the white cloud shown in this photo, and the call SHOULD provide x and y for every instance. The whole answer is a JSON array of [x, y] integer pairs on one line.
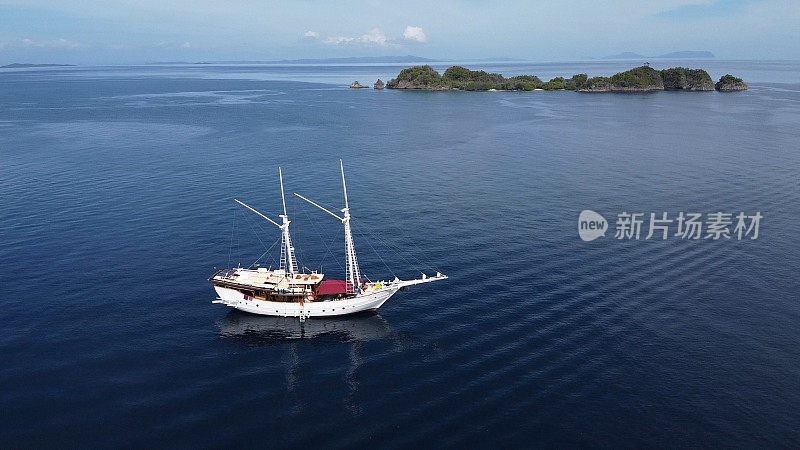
[[57, 43], [414, 34], [336, 40], [375, 36], [311, 34], [171, 45]]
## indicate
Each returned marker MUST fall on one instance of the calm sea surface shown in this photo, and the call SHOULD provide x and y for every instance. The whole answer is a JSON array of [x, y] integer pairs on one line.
[[116, 188]]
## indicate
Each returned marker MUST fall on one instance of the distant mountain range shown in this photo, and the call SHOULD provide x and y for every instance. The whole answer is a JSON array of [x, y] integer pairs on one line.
[[356, 60], [496, 59], [686, 54], [23, 66], [348, 60]]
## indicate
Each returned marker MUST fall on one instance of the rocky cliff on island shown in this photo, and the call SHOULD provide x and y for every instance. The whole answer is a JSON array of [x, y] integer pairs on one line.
[[646, 79], [729, 83], [639, 79], [417, 77], [687, 79]]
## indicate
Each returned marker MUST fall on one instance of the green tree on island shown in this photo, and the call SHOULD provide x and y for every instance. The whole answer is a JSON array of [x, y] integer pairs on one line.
[[638, 79]]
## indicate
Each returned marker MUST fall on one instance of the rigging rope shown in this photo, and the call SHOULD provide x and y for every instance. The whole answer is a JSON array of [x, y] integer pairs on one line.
[[400, 251], [249, 222], [364, 239], [415, 265], [262, 255], [322, 238]]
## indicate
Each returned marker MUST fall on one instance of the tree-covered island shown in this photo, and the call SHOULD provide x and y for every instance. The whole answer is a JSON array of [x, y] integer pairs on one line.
[[639, 79]]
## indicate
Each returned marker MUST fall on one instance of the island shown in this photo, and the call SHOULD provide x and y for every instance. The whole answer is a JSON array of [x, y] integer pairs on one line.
[[638, 79], [729, 83]]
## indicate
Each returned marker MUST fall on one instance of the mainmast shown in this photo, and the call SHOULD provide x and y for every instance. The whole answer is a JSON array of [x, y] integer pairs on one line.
[[353, 274], [288, 261]]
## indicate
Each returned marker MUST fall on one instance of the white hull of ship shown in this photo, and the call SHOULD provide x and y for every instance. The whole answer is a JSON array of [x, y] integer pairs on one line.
[[362, 302]]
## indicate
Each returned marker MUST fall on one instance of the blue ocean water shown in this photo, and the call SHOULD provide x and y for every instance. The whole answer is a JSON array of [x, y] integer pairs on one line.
[[116, 188]]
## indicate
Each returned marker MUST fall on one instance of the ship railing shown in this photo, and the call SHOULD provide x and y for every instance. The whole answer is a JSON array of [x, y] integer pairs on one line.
[[224, 273]]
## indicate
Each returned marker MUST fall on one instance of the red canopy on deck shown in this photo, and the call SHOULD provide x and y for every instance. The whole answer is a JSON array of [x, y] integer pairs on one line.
[[332, 287]]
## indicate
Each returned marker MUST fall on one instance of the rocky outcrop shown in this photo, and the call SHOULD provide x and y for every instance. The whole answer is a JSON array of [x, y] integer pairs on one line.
[[596, 84], [639, 79], [411, 84], [647, 79], [729, 83], [731, 87], [680, 78], [378, 84], [418, 77]]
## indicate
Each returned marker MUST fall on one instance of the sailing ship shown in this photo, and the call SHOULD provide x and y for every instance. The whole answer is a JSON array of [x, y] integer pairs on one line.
[[290, 292]]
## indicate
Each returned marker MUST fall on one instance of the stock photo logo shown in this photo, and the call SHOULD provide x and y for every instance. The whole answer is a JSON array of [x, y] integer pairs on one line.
[[687, 226], [591, 225]]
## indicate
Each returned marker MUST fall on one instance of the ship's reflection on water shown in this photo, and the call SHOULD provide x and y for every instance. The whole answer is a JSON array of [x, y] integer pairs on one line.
[[255, 330], [289, 332]]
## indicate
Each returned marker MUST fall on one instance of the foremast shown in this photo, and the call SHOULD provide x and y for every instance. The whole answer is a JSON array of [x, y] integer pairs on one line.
[[288, 261]]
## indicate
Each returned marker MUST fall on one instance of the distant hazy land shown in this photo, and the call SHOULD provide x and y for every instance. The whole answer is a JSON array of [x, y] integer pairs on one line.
[[25, 66], [685, 54], [348, 60]]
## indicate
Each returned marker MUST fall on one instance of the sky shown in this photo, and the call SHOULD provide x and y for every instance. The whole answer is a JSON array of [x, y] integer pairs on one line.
[[142, 31]]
